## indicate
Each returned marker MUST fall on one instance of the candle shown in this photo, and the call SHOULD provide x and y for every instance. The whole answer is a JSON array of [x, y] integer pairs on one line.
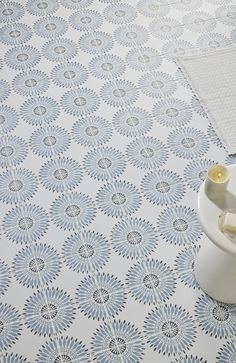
[[216, 181]]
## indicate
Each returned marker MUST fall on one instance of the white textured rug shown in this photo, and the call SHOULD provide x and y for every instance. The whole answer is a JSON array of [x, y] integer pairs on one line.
[[213, 76]]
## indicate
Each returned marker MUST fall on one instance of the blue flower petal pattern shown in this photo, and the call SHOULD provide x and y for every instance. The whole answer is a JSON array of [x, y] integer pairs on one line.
[[60, 174], [13, 358], [147, 153], [8, 119], [104, 163], [73, 211], [143, 59], [118, 341], [92, 131], [25, 224], [42, 8], [49, 312], [119, 199], [226, 14], [188, 5], [189, 359], [200, 22], [80, 102], [96, 42], [59, 50], [211, 133], [21, 33], [49, 141], [36, 265], [184, 265], [212, 41], [231, 159], [11, 326], [5, 277], [179, 225], [122, 93], [17, 185], [86, 20], [157, 84], [167, 29], [215, 318], [196, 171], [153, 8], [4, 90], [131, 35], [199, 108], [226, 354], [119, 13], [85, 252], [151, 281], [107, 66], [42, 110], [61, 349], [177, 48], [13, 151], [163, 187], [31, 83], [22, 57], [188, 143], [172, 112], [69, 74], [76, 4], [50, 27], [170, 330], [132, 122], [101, 297], [134, 238], [11, 11]]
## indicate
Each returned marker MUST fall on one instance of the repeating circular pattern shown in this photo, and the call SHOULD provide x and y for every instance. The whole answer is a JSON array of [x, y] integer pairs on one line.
[[101, 297], [25, 224], [198, 107], [187, 5], [188, 143], [215, 318], [22, 57], [92, 131], [85, 20], [119, 199], [153, 8], [199, 22], [177, 48], [40, 111], [13, 151], [119, 13], [21, 33], [5, 277], [11, 326], [143, 59], [49, 312], [107, 66], [117, 341], [147, 153], [211, 133], [118, 94], [11, 11], [184, 265], [170, 329], [71, 211], [157, 84], [61, 349], [104, 163], [8, 119], [132, 122], [42, 7], [17, 185], [167, 29], [80, 102], [69, 74], [150, 281], [86, 251], [59, 50], [61, 174], [226, 354], [227, 14], [36, 265], [131, 35], [31, 83], [195, 172], [13, 358], [172, 112], [49, 141], [76, 4], [163, 187], [96, 42], [189, 359], [213, 41], [179, 225], [4, 90], [50, 27], [134, 238]]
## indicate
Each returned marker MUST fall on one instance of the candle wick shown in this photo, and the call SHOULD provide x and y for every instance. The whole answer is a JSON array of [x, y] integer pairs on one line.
[[219, 175]]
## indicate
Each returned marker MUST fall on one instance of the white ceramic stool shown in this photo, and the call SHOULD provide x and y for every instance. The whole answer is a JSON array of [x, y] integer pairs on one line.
[[215, 264]]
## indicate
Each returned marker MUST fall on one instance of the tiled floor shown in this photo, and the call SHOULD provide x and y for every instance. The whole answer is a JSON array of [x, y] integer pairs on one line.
[[104, 146]]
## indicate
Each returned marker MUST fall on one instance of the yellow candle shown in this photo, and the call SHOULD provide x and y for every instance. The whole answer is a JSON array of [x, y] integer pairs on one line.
[[216, 181]]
